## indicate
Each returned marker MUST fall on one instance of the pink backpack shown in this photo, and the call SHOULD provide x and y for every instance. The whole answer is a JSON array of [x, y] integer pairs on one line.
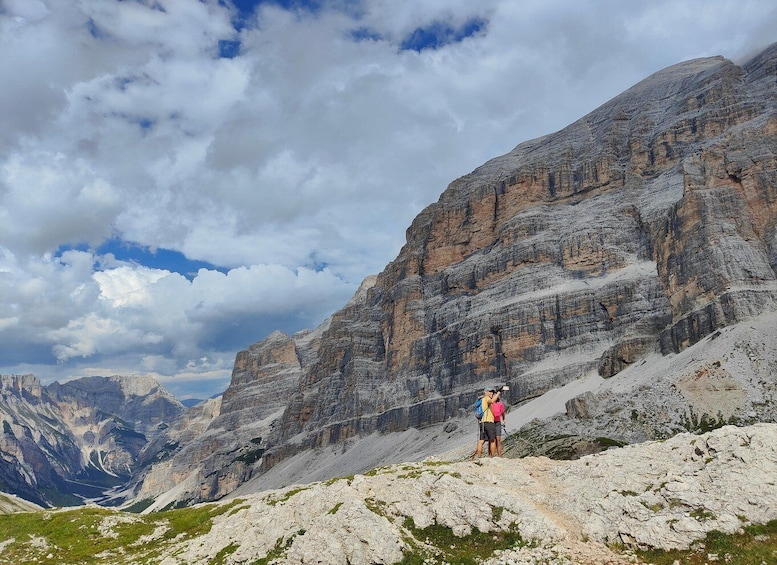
[[497, 409]]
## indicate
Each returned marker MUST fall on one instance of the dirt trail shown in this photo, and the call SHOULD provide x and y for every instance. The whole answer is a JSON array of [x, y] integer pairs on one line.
[[572, 548]]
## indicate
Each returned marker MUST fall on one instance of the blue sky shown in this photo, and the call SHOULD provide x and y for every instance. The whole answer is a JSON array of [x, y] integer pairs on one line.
[[178, 179]]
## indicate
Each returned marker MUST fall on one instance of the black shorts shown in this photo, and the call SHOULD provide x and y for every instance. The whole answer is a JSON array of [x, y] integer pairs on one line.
[[499, 429], [489, 431]]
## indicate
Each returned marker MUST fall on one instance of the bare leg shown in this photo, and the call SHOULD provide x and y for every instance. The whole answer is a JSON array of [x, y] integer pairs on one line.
[[478, 450]]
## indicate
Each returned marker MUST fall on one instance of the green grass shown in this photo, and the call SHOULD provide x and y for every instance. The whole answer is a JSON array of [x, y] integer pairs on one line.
[[286, 496], [758, 544], [281, 545], [228, 550], [97, 535], [140, 505], [438, 544], [70, 536], [58, 498], [335, 508], [82, 536]]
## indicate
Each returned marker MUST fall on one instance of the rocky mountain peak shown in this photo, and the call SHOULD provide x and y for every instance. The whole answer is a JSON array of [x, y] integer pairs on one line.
[[75, 440], [17, 384], [613, 273], [628, 237]]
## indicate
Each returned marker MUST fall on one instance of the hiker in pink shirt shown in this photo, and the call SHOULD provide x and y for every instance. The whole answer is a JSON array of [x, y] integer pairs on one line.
[[500, 419]]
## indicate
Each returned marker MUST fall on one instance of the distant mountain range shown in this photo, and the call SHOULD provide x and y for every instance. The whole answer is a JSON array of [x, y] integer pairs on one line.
[[66, 443], [626, 264]]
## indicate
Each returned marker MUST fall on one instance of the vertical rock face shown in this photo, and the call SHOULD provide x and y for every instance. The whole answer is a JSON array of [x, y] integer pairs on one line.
[[648, 223], [262, 379], [642, 227], [215, 448]]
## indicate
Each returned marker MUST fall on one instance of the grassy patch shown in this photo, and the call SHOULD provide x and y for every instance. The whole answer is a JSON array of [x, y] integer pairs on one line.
[[758, 544], [335, 508], [656, 507], [235, 508], [140, 505], [607, 442], [72, 536], [279, 550], [286, 496], [382, 470], [378, 507], [93, 535], [701, 424], [58, 498], [532, 442], [702, 515], [195, 521], [496, 513], [438, 544], [228, 550], [432, 463], [414, 474]]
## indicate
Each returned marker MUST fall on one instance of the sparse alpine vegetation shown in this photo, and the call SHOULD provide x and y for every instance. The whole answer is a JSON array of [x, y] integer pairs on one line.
[[682, 498], [98, 535]]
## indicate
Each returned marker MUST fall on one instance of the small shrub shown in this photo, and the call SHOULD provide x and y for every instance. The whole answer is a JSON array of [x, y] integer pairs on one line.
[[702, 515], [335, 508]]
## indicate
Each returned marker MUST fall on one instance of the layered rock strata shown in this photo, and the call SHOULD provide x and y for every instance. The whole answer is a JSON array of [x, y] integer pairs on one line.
[[216, 446], [642, 228], [647, 224]]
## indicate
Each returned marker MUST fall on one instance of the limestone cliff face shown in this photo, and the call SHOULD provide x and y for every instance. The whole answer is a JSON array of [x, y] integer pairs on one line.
[[639, 229], [649, 223], [215, 447]]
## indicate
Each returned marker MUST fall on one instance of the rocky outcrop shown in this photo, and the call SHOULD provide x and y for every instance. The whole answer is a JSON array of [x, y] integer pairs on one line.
[[663, 495], [63, 443], [633, 234], [233, 436], [10, 504], [593, 511], [215, 447], [729, 377]]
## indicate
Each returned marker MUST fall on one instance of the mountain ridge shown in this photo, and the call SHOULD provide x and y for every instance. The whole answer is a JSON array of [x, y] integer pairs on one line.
[[644, 227], [80, 437], [642, 231]]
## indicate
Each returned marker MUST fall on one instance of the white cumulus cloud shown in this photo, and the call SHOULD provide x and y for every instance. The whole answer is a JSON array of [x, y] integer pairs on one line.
[[284, 172]]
